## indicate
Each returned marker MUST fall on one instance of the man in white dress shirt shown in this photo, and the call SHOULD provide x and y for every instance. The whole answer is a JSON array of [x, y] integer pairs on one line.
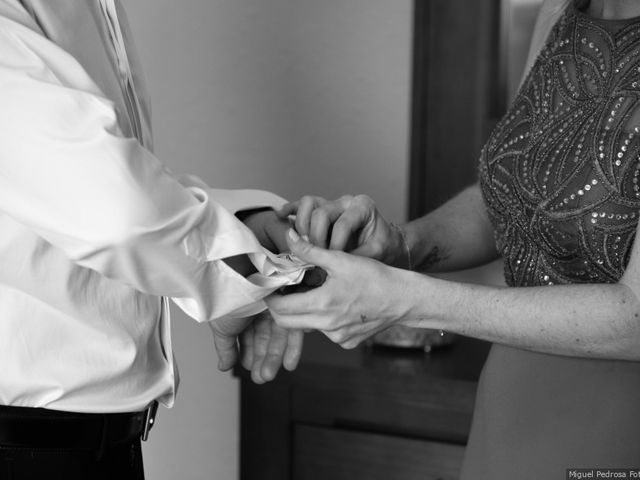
[[96, 236]]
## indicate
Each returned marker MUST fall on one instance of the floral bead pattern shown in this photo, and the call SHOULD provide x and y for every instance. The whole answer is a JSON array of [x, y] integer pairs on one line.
[[560, 174]]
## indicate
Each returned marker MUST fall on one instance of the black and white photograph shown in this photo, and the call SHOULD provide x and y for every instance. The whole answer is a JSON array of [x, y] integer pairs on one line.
[[319, 239]]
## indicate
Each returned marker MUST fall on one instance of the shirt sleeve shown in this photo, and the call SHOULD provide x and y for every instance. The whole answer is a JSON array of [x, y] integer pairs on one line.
[[68, 173], [236, 200]]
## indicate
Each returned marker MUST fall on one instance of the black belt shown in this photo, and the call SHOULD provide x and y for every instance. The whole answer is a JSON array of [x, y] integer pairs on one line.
[[43, 428]]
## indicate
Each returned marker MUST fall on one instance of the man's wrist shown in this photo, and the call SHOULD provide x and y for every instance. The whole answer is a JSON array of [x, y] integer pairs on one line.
[[269, 229], [241, 264]]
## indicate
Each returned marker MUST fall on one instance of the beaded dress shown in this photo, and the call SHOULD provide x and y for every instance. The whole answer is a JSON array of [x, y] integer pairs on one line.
[[560, 176]]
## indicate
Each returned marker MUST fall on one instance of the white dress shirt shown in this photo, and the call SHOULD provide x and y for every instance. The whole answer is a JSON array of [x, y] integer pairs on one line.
[[95, 233]]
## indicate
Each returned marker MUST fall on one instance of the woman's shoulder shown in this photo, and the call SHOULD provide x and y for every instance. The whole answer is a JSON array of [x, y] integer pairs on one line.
[[548, 16]]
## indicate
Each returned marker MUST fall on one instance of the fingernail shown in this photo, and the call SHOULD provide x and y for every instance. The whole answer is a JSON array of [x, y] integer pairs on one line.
[[305, 238], [267, 374], [293, 235]]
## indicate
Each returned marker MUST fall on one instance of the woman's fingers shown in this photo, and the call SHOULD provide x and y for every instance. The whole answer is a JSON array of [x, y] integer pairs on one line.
[[322, 220], [346, 226], [292, 317], [288, 209], [313, 309], [306, 206], [304, 311], [312, 254], [319, 227], [345, 306], [317, 218]]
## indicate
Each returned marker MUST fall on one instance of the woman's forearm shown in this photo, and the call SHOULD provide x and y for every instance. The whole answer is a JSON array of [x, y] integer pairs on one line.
[[455, 236], [595, 320]]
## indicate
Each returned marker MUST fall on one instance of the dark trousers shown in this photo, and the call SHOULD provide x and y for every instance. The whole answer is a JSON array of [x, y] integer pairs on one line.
[[38, 444], [118, 463]]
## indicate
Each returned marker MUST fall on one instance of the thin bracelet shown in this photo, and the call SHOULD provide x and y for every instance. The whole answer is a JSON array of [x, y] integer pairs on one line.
[[404, 242]]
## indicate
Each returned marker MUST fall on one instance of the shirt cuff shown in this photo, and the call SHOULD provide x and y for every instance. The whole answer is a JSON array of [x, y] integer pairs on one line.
[[235, 201]]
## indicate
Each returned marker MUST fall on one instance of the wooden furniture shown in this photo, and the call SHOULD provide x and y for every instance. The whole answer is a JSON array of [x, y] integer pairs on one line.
[[457, 96], [374, 414], [367, 413]]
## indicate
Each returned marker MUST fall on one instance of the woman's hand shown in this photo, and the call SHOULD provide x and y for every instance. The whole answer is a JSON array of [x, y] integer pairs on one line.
[[350, 223], [358, 298]]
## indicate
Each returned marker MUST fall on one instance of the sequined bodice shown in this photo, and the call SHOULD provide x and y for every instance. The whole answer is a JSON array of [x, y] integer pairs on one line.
[[560, 173]]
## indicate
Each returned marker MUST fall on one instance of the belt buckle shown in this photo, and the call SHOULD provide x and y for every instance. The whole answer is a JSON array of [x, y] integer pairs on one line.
[[149, 420]]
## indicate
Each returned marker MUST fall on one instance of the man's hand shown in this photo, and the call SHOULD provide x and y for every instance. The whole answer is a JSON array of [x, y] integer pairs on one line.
[[265, 346], [269, 228], [225, 339]]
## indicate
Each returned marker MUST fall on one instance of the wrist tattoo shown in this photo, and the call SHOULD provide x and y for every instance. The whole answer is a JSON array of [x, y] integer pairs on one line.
[[403, 238], [433, 258]]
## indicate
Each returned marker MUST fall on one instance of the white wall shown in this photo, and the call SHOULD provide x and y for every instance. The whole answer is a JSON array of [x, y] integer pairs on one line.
[[293, 96], [518, 20]]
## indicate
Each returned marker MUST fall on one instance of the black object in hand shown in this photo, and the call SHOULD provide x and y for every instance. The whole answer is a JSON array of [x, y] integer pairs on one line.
[[313, 278]]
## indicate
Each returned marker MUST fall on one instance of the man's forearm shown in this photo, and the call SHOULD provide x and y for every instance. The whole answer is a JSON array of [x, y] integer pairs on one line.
[[455, 236]]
